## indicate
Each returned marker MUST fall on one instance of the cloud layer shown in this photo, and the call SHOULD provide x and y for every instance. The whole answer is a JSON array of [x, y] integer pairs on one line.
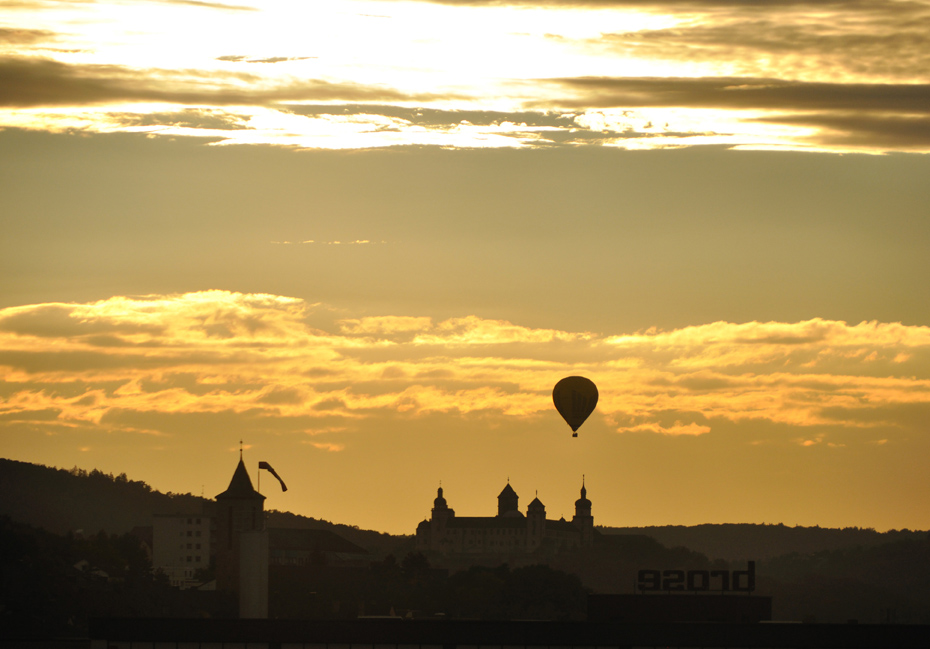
[[782, 74], [125, 364]]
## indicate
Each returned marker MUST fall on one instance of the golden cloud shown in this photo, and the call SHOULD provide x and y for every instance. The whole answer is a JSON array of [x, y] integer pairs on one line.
[[328, 446], [139, 364]]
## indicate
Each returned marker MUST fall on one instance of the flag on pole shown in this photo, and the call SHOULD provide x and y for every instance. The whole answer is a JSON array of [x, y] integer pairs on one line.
[[267, 467]]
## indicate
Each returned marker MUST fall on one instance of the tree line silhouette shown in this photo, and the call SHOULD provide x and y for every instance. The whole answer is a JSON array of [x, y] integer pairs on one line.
[[54, 577]]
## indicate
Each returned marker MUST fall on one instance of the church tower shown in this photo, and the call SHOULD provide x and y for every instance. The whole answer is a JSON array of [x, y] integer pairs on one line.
[[583, 519], [238, 509]]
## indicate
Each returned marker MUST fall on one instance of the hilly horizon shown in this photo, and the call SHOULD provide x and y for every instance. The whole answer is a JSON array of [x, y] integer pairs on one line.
[[811, 573], [70, 500]]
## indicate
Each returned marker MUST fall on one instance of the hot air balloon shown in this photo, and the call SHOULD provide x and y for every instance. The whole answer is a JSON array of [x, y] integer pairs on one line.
[[575, 398]]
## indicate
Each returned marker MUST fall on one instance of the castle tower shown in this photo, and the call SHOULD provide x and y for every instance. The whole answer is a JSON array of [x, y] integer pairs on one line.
[[441, 515], [239, 509], [441, 508], [535, 524], [583, 519], [507, 501]]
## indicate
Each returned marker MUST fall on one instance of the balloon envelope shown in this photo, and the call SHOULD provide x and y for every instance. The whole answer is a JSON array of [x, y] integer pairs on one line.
[[575, 398]]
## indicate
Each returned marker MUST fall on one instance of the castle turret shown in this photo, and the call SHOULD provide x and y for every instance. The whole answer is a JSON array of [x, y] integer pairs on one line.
[[583, 519], [440, 506], [535, 524], [507, 502], [432, 534], [442, 513]]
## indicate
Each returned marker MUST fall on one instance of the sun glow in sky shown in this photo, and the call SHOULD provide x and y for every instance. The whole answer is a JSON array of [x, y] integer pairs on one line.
[[369, 237], [846, 77]]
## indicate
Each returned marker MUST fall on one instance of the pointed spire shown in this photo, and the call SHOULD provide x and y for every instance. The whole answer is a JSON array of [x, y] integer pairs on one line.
[[241, 485]]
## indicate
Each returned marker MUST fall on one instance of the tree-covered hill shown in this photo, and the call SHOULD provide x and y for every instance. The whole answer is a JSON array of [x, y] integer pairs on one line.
[[812, 573], [743, 542], [62, 501]]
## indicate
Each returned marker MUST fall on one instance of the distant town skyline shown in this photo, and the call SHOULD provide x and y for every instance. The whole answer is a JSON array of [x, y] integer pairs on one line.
[[369, 237]]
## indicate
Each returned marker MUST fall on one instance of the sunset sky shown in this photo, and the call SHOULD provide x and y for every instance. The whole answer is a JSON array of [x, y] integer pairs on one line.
[[368, 237]]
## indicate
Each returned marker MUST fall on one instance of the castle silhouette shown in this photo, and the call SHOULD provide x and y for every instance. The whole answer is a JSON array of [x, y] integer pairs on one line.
[[508, 533]]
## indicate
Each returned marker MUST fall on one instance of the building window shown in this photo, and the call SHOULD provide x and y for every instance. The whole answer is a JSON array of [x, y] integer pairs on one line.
[[197, 533], [198, 521], [198, 547], [189, 558]]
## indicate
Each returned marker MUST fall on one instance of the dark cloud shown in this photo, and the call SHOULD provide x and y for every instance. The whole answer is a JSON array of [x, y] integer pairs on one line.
[[208, 5], [53, 321], [42, 82], [702, 383], [665, 5], [271, 59], [190, 383], [60, 389], [437, 117], [746, 93], [48, 414], [890, 132], [896, 44], [108, 340], [663, 418], [798, 339], [41, 4], [909, 416], [79, 361], [71, 361], [892, 116], [769, 35], [330, 404], [281, 396], [229, 424], [25, 36], [320, 371], [397, 385], [189, 118]]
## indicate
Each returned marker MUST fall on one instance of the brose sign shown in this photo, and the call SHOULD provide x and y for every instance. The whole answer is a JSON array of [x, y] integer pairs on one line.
[[739, 581]]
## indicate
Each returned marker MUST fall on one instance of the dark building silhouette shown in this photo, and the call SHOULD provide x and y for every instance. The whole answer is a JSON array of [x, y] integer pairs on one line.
[[510, 532], [182, 546], [296, 548], [246, 549], [238, 509]]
